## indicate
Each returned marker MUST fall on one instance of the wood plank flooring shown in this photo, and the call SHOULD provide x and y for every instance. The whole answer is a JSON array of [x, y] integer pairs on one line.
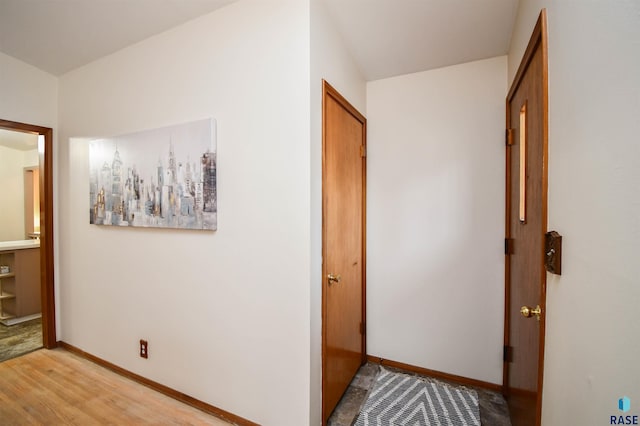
[[58, 387]]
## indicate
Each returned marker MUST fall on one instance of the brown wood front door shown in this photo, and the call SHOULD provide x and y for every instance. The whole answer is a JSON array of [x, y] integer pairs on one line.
[[343, 284], [526, 224]]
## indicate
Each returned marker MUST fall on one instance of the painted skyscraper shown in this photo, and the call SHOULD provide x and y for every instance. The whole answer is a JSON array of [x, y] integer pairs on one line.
[[127, 188]]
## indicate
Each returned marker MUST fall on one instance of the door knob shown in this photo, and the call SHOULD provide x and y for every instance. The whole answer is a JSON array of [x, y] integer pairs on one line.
[[528, 312], [334, 278]]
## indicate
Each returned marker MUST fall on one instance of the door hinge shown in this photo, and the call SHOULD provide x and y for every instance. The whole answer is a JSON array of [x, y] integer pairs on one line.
[[363, 151], [362, 328], [507, 353], [508, 136], [508, 245]]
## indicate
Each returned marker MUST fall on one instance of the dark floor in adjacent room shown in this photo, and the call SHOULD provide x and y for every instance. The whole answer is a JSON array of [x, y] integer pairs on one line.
[[493, 408], [19, 339]]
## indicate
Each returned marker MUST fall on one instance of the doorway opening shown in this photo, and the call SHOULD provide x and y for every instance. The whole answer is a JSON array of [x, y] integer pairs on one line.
[[30, 259]]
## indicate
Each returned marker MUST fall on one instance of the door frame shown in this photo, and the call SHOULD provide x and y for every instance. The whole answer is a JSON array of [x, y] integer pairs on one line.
[[47, 291], [539, 38], [329, 91]]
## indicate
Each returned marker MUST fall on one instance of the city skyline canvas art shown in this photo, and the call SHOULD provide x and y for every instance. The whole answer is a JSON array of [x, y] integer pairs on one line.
[[160, 178]]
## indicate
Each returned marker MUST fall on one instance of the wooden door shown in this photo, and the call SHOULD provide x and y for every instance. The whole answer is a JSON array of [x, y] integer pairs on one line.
[[343, 208], [526, 224]]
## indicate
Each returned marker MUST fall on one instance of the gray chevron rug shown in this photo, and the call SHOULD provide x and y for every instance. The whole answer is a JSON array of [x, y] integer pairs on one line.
[[400, 399]]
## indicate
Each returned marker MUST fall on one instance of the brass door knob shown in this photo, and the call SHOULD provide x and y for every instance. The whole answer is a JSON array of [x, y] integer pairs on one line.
[[333, 278], [528, 312]]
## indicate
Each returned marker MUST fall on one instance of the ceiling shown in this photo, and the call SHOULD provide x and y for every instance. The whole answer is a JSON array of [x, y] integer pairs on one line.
[[18, 140], [386, 37], [60, 35], [395, 37]]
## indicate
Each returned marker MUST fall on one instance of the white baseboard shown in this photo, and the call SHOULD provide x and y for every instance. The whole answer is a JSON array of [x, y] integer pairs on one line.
[[14, 321]]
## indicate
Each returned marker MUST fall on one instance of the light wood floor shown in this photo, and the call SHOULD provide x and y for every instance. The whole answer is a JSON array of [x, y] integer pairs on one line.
[[56, 387]]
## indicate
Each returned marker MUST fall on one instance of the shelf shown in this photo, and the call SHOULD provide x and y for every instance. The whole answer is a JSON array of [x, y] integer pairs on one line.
[[20, 287], [4, 316]]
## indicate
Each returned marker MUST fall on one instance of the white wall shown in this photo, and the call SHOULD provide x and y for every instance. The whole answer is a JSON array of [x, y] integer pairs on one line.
[[331, 61], [12, 164], [29, 95], [592, 350], [31, 158], [435, 274], [226, 314], [12, 184]]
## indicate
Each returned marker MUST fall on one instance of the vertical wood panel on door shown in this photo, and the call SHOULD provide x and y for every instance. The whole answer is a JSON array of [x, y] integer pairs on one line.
[[526, 224], [343, 208]]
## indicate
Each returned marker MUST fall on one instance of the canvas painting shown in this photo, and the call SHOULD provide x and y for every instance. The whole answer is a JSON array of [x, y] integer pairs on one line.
[[161, 178]]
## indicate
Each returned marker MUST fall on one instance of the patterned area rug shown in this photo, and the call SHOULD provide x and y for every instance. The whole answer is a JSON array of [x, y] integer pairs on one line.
[[19, 339], [400, 399]]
